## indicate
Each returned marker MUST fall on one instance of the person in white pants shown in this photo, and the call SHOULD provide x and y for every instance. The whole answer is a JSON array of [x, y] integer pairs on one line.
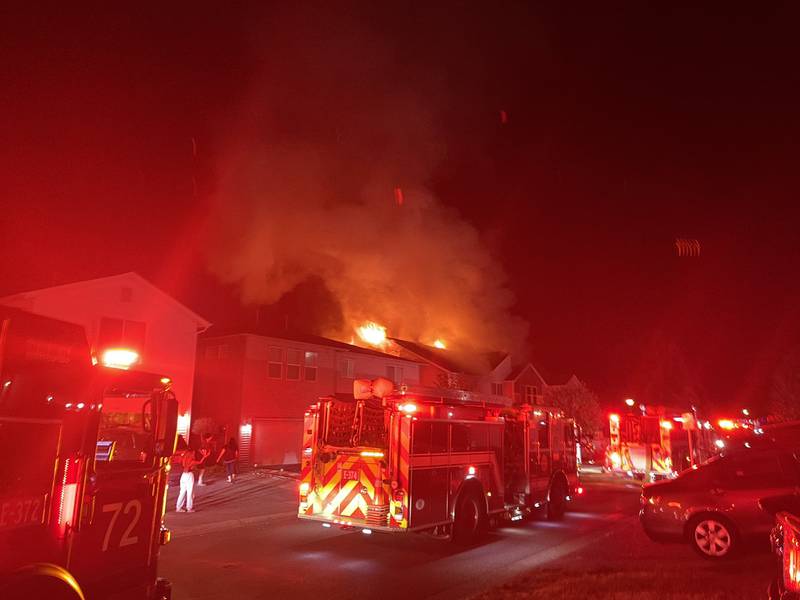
[[186, 495]]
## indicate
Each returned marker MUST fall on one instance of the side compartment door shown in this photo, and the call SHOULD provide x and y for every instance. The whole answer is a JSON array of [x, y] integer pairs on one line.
[[430, 473], [539, 455]]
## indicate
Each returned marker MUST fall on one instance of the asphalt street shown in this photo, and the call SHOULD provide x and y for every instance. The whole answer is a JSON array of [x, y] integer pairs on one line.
[[245, 542]]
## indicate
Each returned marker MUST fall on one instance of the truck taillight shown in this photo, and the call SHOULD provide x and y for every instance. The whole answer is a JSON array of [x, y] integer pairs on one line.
[[791, 554], [304, 488], [398, 508], [67, 495]]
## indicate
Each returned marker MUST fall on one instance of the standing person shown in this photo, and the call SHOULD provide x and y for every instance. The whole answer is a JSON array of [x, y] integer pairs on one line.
[[229, 455], [188, 462], [205, 462]]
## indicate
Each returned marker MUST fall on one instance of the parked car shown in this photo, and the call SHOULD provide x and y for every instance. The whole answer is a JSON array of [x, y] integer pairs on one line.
[[785, 543], [715, 506]]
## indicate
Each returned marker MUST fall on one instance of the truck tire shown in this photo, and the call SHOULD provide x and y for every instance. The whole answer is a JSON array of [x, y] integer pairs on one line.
[[470, 522], [40, 580], [557, 500], [46, 586]]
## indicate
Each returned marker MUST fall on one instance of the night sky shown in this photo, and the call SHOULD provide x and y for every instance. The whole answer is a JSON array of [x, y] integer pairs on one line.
[[626, 126]]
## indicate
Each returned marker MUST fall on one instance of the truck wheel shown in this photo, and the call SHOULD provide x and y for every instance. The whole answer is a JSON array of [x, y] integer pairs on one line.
[[713, 537], [41, 587], [557, 501], [471, 521]]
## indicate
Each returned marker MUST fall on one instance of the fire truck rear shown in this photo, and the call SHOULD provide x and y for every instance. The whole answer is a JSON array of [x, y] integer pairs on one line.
[[84, 472], [442, 461], [657, 446]]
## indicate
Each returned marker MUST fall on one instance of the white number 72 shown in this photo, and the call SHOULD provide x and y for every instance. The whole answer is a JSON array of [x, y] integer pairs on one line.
[[127, 539]]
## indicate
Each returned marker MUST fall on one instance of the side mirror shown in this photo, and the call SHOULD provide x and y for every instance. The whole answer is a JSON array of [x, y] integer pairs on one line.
[[165, 445]]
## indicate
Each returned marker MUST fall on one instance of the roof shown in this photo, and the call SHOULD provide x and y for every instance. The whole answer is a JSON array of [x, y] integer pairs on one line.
[[131, 278], [305, 338], [552, 375], [520, 369], [452, 361]]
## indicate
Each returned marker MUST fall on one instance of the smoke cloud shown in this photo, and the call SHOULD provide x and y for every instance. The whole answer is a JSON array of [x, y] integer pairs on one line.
[[337, 120]]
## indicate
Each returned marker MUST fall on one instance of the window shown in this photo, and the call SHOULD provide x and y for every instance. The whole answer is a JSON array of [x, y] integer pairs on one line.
[[469, 437], [530, 394], [293, 364], [752, 471], [497, 389], [121, 333], [110, 333], [311, 359], [421, 438], [569, 434], [429, 437], [125, 426], [275, 366], [543, 432], [347, 368], [395, 374]]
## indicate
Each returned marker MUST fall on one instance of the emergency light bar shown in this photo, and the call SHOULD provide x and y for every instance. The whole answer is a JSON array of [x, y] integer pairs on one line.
[[120, 358]]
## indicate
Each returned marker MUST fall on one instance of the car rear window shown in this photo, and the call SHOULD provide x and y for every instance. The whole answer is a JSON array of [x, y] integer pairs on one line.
[[758, 470]]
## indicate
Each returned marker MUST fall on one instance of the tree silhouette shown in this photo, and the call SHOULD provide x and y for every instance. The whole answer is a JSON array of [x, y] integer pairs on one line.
[[784, 392]]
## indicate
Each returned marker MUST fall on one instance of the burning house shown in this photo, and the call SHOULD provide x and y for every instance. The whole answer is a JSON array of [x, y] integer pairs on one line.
[[493, 373], [256, 387]]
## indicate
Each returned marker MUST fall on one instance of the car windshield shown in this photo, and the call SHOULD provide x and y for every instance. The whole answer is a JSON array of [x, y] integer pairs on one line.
[[125, 433]]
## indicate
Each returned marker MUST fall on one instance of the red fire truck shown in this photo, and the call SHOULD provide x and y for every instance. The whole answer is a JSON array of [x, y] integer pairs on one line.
[[441, 461], [84, 471], [658, 445]]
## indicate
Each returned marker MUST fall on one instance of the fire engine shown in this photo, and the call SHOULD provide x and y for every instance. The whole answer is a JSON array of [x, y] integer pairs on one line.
[[433, 460], [83, 479], [658, 446]]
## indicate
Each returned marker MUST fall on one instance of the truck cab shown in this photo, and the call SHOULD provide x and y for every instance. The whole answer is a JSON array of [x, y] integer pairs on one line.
[[83, 479]]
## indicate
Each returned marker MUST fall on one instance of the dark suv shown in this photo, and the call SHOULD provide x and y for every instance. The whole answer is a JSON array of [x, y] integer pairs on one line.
[[715, 506]]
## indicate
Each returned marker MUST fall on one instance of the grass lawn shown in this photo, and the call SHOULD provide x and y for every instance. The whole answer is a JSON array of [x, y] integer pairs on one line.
[[703, 583]]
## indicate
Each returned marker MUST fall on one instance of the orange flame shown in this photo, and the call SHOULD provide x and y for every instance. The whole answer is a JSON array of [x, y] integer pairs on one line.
[[372, 333], [439, 344]]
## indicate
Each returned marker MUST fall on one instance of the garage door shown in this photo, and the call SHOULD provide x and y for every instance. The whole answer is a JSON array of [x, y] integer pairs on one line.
[[276, 441]]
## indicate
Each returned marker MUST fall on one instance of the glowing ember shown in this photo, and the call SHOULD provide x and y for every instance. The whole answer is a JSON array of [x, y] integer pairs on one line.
[[372, 333], [439, 344]]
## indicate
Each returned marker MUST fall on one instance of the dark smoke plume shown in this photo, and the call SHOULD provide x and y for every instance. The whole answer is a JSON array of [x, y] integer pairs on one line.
[[325, 177]]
